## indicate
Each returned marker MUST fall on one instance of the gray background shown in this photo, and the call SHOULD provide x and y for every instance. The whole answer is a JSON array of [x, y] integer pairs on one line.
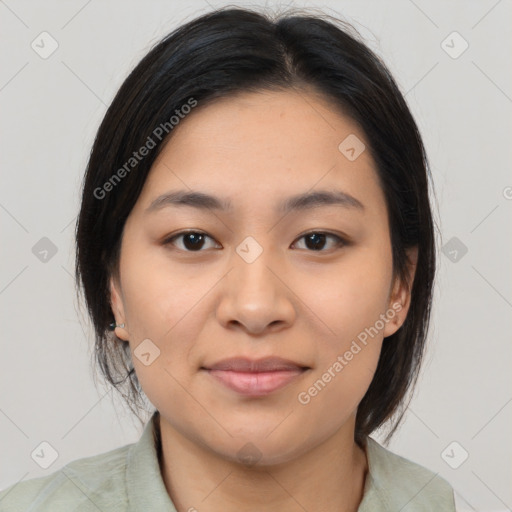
[[51, 109]]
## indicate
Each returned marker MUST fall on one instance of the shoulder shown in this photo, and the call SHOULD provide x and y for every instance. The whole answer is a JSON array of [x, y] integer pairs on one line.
[[88, 484], [396, 483]]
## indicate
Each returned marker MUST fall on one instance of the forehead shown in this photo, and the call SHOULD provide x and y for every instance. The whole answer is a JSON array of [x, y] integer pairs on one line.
[[268, 144]]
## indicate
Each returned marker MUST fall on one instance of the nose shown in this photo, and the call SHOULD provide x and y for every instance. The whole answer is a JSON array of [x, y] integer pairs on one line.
[[254, 297]]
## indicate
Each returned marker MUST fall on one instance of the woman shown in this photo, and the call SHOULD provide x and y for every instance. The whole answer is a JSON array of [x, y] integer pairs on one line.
[[255, 228]]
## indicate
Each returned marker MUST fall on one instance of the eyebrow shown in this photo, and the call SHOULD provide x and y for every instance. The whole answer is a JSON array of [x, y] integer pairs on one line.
[[204, 201]]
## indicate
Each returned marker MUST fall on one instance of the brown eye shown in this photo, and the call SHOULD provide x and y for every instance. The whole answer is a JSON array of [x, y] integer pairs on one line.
[[195, 241], [316, 240], [192, 241]]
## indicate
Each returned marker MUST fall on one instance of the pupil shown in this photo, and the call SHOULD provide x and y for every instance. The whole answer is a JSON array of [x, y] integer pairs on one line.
[[314, 237], [193, 236]]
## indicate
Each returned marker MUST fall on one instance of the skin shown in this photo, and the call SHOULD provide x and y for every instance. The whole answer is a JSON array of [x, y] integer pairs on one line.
[[204, 305]]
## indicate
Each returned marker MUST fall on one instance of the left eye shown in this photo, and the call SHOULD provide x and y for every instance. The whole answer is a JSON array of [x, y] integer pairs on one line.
[[317, 238], [193, 241]]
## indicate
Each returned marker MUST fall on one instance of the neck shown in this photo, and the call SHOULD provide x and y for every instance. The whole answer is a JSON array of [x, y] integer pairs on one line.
[[330, 477]]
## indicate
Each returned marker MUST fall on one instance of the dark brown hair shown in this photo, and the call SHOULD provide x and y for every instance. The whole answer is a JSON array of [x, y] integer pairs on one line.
[[233, 50]]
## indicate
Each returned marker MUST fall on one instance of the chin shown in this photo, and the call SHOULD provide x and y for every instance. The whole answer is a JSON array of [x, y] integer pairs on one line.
[[258, 450]]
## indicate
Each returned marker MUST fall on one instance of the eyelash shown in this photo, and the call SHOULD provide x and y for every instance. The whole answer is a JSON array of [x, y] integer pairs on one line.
[[340, 241]]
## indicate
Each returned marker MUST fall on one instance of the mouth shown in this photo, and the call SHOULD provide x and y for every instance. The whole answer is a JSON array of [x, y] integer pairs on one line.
[[254, 378]]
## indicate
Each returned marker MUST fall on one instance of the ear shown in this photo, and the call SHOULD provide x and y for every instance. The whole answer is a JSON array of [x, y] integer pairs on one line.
[[116, 303], [400, 296]]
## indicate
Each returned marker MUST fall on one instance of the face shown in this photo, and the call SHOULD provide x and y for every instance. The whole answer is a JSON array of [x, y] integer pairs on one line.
[[312, 284]]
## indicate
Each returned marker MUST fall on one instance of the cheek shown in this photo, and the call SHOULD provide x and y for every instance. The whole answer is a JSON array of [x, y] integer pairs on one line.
[[160, 293], [349, 304], [163, 305], [349, 300]]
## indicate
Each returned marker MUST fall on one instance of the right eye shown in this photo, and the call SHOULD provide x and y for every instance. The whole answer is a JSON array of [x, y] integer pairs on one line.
[[193, 241]]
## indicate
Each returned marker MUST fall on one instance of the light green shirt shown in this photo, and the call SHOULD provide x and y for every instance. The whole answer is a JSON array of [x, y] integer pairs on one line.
[[128, 479]]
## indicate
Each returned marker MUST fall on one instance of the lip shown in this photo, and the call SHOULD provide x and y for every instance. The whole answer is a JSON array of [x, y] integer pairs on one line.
[[265, 364], [255, 383], [251, 377]]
